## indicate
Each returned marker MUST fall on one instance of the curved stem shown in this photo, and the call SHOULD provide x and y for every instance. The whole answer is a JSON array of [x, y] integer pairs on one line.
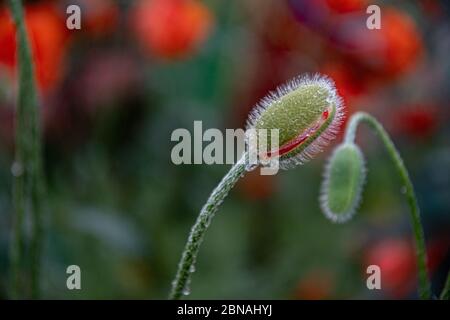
[[424, 284], [186, 266]]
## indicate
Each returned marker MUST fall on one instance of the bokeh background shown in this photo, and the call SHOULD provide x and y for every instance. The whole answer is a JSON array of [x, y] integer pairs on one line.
[[113, 92]]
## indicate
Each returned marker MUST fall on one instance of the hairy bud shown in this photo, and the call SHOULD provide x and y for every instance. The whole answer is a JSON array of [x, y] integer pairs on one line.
[[307, 112], [343, 182]]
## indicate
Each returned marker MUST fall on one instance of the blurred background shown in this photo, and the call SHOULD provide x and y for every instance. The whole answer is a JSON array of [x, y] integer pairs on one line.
[[113, 92]]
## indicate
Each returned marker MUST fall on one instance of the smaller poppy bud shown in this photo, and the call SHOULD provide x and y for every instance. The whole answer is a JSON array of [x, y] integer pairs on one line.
[[343, 182]]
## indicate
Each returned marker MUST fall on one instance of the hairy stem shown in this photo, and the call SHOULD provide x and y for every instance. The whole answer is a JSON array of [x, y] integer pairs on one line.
[[27, 169], [181, 283], [424, 283]]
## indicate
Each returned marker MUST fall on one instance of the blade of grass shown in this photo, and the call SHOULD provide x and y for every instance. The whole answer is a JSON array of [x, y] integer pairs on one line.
[[27, 169]]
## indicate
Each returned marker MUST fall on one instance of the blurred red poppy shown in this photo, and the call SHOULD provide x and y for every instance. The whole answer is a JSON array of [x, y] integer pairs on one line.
[[416, 121], [346, 6], [171, 28], [48, 37], [395, 48], [255, 186], [403, 41], [432, 8], [317, 285], [99, 17], [397, 261], [349, 82], [395, 257], [386, 53]]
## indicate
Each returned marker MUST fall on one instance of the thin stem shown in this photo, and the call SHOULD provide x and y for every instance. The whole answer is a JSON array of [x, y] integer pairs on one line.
[[186, 266], [424, 284], [17, 242], [27, 169], [445, 294]]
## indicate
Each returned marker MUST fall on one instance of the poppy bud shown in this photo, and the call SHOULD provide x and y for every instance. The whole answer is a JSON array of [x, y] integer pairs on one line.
[[306, 111], [343, 181]]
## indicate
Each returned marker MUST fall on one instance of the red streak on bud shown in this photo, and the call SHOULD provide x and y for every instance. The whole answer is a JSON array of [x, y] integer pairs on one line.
[[302, 137]]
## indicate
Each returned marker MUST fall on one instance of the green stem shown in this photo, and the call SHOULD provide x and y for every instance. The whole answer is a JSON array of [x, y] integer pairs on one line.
[[17, 242], [186, 266], [28, 173], [424, 284], [445, 294]]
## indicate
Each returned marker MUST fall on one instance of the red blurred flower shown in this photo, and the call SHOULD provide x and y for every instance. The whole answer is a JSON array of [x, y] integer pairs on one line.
[[386, 53], [349, 83], [402, 41], [255, 186], [346, 6], [396, 259], [99, 17], [391, 51], [417, 121], [432, 8], [48, 37], [317, 285], [171, 28]]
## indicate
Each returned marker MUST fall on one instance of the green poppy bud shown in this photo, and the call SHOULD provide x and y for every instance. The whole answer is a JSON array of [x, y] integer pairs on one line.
[[307, 112], [343, 182]]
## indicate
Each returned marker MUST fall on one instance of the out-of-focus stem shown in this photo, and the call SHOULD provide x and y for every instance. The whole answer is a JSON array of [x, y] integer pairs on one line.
[[445, 294], [27, 169]]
